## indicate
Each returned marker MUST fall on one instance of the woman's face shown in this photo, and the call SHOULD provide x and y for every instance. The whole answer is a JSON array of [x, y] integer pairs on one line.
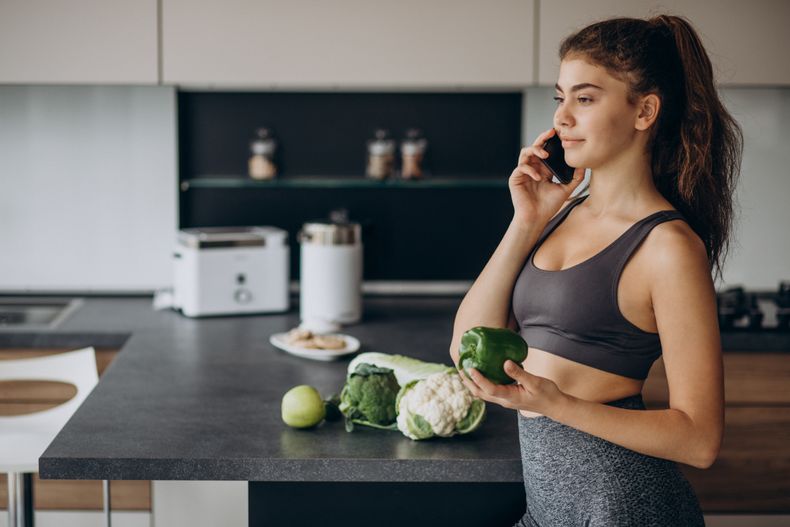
[[592, 107]]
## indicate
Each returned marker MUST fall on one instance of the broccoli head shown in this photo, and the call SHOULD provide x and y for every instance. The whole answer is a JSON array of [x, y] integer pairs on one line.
[[368, 396]]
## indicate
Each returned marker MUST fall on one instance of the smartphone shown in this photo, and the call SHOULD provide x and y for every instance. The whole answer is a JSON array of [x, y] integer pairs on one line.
[[556, 160]]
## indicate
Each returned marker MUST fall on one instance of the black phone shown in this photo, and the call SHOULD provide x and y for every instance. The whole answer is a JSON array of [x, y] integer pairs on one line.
[[556, 160]]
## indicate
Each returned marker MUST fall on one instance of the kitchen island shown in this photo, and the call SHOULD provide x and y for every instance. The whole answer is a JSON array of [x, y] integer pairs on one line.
[[199, 399]]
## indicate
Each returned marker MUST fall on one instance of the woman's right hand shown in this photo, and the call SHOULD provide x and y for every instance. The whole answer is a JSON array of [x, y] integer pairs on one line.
[[536, 199]]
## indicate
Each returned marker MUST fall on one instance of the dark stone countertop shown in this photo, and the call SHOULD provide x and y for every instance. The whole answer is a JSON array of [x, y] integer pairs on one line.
[[199, 399]]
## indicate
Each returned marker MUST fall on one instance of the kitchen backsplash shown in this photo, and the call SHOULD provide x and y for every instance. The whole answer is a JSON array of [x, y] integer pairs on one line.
[[324, 134], [410, 232], [88, 187], [90, 182]]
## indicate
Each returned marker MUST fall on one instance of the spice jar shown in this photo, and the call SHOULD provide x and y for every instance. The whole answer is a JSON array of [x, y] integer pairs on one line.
[[261, 164], [412, 150], [381, 155]]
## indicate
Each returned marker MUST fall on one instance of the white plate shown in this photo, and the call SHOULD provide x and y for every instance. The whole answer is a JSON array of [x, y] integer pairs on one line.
[[279, 340]]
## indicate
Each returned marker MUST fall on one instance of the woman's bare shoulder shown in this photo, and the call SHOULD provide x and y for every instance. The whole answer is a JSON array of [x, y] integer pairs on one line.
[[676, 234], [674, 241]]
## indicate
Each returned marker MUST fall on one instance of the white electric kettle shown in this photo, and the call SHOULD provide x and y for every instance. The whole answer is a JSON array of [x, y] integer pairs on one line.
[[330, 282]]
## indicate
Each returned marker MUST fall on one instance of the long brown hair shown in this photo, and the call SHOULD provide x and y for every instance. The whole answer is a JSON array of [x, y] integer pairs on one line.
[[696, 145]]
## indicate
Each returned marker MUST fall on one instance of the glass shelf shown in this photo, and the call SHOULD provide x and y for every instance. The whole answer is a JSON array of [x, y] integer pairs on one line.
[[475, 182]]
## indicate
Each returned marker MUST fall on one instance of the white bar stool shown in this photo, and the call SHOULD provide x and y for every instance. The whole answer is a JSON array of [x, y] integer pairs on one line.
[[24, 438]]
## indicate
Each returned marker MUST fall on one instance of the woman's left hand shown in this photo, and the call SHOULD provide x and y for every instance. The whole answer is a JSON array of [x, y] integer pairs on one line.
[[529, 392]]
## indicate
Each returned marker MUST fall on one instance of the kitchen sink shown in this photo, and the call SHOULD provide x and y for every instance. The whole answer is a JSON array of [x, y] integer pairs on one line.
[[35, 313]]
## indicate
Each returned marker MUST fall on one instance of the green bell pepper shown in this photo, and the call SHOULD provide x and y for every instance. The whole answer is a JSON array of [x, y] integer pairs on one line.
[[487, 349]]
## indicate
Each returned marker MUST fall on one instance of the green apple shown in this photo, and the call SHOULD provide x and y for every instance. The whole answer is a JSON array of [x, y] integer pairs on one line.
[[302, 407]]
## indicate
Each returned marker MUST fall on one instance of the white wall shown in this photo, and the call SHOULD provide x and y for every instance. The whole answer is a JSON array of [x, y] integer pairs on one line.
[[88, 187], [759, 254]]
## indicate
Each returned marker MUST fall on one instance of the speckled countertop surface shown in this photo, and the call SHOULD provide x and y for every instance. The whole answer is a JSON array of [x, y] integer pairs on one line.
[[199, 399]]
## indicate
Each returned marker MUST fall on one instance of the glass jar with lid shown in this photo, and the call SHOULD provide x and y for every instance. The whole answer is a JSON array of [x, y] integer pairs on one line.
[[412, 150], [381, 155], [262, 148]]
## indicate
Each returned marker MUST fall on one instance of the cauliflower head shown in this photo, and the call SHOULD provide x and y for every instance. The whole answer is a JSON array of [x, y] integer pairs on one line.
[[438, 405]]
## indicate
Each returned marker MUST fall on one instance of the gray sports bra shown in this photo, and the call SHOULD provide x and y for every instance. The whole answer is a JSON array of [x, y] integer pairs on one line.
[[573, 312]]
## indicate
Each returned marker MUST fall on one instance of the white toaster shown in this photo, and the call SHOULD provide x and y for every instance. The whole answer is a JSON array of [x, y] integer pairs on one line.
[[231, 270]]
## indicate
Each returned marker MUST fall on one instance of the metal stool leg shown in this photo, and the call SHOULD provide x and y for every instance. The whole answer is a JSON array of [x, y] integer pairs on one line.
[[106, 491], [20, 500], [12, 499]]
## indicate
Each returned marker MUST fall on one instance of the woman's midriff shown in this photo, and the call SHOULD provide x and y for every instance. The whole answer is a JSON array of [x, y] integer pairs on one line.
[[579, 380]]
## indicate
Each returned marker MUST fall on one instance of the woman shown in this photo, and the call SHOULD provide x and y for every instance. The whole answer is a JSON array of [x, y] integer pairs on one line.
[[602, 286]]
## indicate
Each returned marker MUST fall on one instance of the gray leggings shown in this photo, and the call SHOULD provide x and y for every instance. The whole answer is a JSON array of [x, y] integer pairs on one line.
[[574, 479]]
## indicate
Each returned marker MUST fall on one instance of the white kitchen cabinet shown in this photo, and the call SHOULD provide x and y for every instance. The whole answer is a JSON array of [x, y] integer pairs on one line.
[[747, 41], [78, 42], [348, 43], [200, 503]]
